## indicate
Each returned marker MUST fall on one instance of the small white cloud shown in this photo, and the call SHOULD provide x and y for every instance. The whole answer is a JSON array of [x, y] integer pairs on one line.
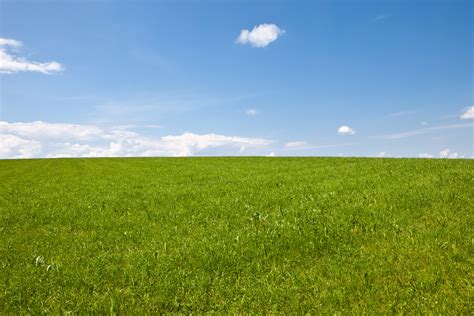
[[468, 114], [272, 154], [251, 112], [382, 154], [448, 154], [260, 36], [425, 155], [296, 144], [10, 63], [346, 130]]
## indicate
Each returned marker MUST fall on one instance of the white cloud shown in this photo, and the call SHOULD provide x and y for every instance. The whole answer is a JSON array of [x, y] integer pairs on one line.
[[43, 130], [346, 130], [188, 142], [12, 146], [10, 42], [382, 154], [272, 154], [468, 114], [425, 155], [41, 139], [260, 36], [448, 154], [10, 63], [251, 112], [296, 144]]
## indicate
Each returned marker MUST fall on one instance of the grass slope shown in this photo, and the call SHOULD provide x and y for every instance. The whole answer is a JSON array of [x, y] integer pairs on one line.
[[237, 235]]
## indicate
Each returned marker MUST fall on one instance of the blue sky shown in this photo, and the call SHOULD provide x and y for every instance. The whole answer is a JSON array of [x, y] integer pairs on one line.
[[133, 78]]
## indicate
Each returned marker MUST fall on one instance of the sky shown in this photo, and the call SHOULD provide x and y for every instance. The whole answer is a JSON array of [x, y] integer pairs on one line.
[[239, 78]]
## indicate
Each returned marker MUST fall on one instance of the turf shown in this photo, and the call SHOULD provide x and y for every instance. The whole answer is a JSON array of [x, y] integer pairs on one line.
[[259, 235]]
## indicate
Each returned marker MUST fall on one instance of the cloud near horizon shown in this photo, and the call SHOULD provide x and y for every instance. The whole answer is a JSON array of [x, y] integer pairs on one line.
[[260, 36], [54, 140], [447, 153], [10, 63], [425, 155]]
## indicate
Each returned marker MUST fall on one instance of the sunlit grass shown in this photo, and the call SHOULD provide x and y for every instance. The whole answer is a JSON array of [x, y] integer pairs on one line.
[[237, 235]]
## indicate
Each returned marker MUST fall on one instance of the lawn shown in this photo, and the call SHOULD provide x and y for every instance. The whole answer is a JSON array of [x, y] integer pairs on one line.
[[259, 235]]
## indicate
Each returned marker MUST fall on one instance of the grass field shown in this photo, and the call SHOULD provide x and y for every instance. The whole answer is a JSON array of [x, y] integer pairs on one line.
[[237, 235]]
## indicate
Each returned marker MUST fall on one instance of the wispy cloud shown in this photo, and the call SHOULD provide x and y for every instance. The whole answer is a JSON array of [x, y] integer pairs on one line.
[[400, 114], [303, 145], [333, 145], [148, 108], [380, 18], [296, 144], [153, 126], [41, 139], [251, 112], [260, 36], [9, 63], [424, 131]]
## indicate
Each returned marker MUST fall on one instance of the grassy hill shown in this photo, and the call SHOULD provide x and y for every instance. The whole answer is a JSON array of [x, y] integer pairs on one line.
[[237, 235]]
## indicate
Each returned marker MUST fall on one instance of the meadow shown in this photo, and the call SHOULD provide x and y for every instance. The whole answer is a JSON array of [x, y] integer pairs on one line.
[[258, 235]]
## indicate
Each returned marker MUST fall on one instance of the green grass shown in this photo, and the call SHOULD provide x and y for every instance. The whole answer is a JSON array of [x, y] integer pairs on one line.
[[253, 235]]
